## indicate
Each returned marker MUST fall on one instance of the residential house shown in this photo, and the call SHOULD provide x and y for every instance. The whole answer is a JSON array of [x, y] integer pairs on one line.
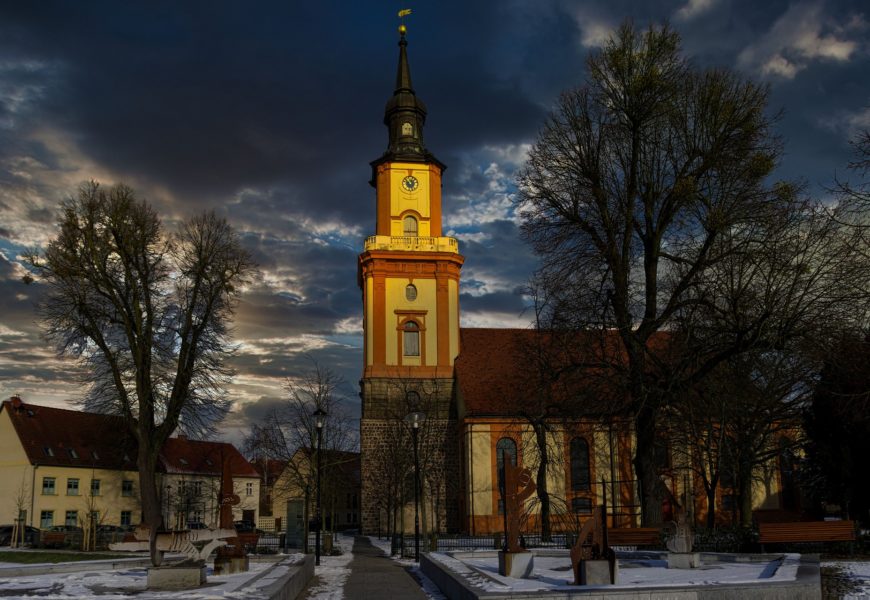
[[59, 467]]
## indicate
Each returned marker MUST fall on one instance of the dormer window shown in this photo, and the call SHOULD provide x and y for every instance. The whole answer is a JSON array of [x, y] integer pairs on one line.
[[72, 453], [48, 451], [95, 455], [182, 461]]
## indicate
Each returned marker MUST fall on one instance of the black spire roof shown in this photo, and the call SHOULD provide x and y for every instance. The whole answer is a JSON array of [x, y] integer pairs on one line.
[[404, 116]]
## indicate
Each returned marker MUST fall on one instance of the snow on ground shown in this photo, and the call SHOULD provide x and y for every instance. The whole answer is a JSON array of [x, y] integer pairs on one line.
[[554, 572], [329, 577], [850, 579], [121, 584]]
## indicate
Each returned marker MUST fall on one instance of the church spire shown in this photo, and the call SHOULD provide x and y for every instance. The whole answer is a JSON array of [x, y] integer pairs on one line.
[[404, 116]]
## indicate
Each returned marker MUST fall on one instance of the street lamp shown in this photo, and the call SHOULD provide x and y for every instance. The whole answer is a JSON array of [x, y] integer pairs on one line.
[[415, 419], [319, 419]]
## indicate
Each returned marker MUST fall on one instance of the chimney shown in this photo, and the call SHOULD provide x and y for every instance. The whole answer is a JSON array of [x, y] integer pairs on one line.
[[16, 401]]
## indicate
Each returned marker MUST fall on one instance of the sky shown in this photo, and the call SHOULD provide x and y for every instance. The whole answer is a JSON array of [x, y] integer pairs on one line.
[[269, 113]]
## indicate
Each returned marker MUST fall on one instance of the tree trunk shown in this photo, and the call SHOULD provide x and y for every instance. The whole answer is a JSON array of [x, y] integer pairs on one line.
[[744, 494], [153, 516], [541, 481], [711, 507], [652, 489]]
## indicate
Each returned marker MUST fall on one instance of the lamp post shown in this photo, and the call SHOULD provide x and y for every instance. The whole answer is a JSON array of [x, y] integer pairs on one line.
[[319, 419], [415, 419]]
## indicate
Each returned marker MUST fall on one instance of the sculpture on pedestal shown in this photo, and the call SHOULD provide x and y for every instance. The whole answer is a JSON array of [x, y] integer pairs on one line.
[[593, 561], [516, 486]]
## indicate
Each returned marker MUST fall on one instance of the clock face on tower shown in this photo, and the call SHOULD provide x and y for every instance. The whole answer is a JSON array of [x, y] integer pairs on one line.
[[410, 183]]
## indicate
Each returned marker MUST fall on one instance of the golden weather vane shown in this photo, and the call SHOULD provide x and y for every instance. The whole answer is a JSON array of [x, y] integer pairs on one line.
[[402, 14]]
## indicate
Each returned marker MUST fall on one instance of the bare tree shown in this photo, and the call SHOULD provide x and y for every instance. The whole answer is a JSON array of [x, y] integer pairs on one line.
[[20, 502], [147, 314], [289, 434], [646, 197]]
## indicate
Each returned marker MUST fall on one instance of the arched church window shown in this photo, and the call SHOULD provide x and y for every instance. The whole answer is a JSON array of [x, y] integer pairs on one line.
[[411, 292], [407, 128], [410, 226], [411, 339], [580, 475], [505, 449]]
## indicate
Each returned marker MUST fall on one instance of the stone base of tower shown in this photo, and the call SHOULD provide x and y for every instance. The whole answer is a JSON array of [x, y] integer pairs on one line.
[[387, 457]]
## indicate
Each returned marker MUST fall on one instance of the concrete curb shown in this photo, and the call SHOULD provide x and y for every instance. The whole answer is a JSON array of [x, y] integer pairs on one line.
[[73, 567]]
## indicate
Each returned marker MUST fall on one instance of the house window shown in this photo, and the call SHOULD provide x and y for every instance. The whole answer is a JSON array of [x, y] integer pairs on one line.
[[72, 518], [95, 487], [411, 339], [505, 447], [409, 224], [126, 517], [249, 489], [127, 487], [407, 129], [580, 477], [411, 292], [72, 487], [46, 519], [581, 505], [48, 488]]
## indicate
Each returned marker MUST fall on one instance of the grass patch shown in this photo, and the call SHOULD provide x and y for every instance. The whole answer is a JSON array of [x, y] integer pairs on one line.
[[29, 558]]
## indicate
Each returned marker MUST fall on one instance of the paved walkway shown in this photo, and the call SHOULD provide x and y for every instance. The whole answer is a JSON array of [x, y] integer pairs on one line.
[[371, 575]]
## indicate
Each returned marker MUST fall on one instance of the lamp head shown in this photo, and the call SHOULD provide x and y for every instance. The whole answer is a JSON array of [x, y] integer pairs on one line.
[[416, 418], [319, 418]]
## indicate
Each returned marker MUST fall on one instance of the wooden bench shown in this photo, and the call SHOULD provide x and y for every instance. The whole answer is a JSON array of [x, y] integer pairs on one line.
[[634, 536], [54, 539], [806, 531]]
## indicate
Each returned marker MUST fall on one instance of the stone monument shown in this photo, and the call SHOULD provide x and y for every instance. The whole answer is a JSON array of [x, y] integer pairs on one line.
[[680, 542], [232, 557]]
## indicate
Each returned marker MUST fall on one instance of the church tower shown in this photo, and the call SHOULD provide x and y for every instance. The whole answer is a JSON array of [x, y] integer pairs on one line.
[[409, 277]]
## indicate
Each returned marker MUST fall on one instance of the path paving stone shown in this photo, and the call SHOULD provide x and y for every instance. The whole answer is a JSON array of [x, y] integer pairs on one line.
[[372, 576]]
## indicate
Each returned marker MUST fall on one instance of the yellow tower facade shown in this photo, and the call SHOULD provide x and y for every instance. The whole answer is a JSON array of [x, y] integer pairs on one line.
[[409, 277]]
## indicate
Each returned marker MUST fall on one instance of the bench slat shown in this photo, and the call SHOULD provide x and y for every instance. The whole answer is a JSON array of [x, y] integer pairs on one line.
[[809, 531]]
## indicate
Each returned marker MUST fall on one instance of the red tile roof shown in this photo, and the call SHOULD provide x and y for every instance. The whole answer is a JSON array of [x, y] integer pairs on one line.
[[502, 372], [196, 457], [71, 438], [270, 469]]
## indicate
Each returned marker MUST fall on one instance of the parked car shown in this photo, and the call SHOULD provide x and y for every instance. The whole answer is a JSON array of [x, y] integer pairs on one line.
[[31, 535], [65, 528], [246, 527]]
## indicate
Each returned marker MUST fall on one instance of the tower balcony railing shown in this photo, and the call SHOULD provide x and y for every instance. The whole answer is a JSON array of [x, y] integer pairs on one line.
[[412, 243]]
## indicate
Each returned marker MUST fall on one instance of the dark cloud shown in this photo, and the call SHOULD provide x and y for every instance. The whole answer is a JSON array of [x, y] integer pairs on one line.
[[269, 113]]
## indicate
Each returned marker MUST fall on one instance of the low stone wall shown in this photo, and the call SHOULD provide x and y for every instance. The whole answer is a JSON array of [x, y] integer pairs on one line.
[[286, 579], [806, 586]]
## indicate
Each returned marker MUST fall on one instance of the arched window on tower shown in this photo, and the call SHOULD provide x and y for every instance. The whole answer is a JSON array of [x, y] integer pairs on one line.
[[505, 449], [411, 339], [410, 226], [580, 476]]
